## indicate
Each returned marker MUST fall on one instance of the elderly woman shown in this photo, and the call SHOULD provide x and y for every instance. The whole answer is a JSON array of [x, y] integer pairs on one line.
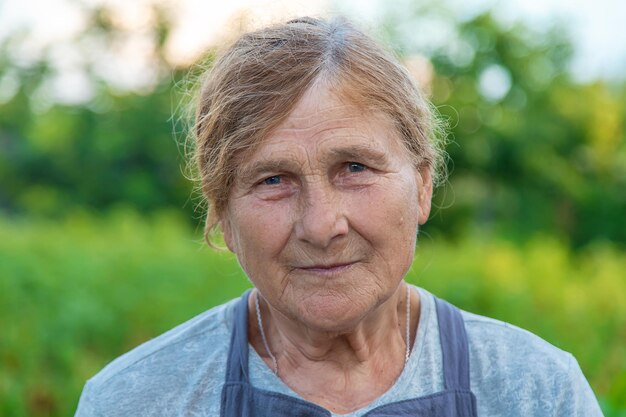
[[318, 156]]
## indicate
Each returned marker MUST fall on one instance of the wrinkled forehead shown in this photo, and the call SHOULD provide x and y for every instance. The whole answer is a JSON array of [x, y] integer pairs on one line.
[[322, 110], [322, 101]]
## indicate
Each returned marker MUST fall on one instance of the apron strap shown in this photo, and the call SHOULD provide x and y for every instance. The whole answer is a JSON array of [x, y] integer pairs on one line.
[[237, 365], [454, 347], [239, 398]]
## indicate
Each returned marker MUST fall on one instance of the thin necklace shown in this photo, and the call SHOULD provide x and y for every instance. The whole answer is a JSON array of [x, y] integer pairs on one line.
[[267, 347], [275, 362], [407, 352]]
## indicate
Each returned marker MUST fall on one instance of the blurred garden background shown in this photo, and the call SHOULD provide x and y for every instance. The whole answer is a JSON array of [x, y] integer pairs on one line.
[[100, 230]]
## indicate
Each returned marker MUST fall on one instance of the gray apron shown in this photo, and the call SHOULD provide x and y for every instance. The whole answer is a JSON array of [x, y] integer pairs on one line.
[[241, 399]]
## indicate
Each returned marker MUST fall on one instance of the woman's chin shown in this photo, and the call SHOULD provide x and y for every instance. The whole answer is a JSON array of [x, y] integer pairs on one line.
[[331, 314]]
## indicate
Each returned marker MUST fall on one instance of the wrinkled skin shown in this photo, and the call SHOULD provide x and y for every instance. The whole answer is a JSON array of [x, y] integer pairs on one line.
[[323, 216]]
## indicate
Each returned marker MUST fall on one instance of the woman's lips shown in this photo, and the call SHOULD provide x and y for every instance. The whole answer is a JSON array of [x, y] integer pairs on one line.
[[329, 269]]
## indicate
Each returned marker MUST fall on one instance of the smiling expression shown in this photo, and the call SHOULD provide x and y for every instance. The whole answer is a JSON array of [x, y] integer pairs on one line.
[[323, 214]]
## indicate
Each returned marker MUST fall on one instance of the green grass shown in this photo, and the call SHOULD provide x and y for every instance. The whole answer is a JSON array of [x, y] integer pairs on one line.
[[75, 294]]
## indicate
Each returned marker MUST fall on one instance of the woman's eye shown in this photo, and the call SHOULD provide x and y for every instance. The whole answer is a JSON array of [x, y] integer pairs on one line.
[[355, 167], [273, 180]]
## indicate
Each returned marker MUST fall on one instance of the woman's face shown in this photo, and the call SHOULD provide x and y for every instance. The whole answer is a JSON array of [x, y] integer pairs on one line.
[[323, 215]]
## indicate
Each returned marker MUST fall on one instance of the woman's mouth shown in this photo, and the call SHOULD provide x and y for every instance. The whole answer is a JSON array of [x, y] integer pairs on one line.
[[327, 269]]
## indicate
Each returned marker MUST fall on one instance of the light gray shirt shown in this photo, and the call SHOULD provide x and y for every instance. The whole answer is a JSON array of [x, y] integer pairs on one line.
[[180, 373]]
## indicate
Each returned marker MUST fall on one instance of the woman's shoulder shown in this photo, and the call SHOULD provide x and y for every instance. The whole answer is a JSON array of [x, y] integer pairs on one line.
[[498, 348], [502, 341], [190, 355], [493, 338], [515, 370], [212, 325]]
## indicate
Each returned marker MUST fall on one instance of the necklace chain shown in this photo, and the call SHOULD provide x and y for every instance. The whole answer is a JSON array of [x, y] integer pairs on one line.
[[407, 340], [407, 352], [267, 347]]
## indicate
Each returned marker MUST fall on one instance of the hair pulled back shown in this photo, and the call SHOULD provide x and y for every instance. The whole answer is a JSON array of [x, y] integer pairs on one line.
[[253, 86]]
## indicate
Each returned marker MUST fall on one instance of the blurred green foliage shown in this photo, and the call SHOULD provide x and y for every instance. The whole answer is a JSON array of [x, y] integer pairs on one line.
[[76, 294], [119, 147], [73, 156], [532, 216], [531, 149]]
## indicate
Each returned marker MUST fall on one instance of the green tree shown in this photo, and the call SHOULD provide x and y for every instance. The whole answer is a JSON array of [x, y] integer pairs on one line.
[[531, 150]]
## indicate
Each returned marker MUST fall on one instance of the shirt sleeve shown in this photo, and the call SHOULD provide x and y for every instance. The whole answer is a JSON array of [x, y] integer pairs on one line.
[[86, 404], [577, 399]]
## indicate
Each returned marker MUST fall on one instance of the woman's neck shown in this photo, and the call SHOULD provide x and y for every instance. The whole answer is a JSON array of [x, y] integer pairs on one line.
[[342, 371]]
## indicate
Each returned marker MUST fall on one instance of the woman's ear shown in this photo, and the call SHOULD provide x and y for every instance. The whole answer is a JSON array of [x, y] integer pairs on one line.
[[425, 193]]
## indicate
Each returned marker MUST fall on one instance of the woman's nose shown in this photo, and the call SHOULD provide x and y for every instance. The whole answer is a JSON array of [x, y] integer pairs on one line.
[[322, 218]]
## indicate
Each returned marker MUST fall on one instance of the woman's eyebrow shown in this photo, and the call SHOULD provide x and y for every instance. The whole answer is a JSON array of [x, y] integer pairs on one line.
[[250, 172], [357, 153]]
